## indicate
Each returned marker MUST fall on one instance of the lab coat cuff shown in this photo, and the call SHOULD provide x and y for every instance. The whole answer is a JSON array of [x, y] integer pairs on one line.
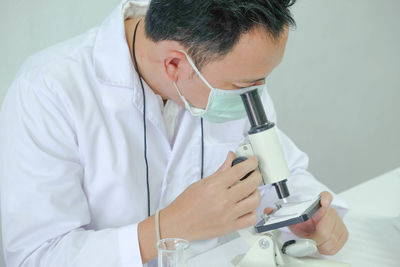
[[129, 246]]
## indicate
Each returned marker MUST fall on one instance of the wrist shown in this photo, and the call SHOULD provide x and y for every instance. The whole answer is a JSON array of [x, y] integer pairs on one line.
[[172, 225], [147, 239]]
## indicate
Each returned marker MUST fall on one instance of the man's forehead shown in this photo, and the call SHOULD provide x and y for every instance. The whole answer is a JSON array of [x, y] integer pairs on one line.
[[254, 56]]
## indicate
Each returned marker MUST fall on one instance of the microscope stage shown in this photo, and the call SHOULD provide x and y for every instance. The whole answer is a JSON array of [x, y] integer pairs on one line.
[[288, 214]]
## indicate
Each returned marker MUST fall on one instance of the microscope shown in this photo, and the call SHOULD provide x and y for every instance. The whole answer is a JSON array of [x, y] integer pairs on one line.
[[265, 145], [263, 142], [267, 248]]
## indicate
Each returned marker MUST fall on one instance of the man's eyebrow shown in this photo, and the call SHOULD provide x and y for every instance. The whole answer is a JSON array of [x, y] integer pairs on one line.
[[252, 81]]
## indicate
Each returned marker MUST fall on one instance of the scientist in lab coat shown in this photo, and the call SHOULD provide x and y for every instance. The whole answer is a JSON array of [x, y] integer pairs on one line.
[[100, 131]]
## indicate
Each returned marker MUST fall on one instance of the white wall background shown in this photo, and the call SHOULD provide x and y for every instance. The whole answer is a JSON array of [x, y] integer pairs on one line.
[[337, 92], [29, 26]]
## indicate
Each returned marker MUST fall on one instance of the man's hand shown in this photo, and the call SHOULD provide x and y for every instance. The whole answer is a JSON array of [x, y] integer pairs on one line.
[[326, 228], [215, 205]]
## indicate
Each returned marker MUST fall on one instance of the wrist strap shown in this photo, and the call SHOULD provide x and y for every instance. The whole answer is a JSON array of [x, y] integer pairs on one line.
[[157, 220]]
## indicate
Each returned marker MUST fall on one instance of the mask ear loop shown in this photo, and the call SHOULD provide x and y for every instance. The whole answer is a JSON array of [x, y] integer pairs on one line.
[[202, 148], [189, 59]]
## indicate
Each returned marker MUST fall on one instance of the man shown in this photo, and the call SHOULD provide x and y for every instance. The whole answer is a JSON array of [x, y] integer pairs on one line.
[[102, 130]]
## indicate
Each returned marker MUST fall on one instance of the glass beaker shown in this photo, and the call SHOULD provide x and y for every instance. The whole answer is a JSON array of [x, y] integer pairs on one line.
[[172, 252]]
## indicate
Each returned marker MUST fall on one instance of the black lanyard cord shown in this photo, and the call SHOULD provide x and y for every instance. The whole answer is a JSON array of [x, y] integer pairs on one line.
[[144, 120], [144, 125]]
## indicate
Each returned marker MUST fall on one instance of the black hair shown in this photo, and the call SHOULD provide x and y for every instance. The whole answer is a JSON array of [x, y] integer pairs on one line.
[[209, 29]]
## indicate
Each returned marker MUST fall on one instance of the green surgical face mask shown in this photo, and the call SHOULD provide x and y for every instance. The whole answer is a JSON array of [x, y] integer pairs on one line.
[[223, 105]]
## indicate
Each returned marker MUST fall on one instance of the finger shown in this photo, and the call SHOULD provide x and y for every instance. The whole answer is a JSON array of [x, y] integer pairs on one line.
[[343, 238], [325, 227], [340, 241], [316, 218], [248, 204], [303, 230], [326, 200], [246, 220], [232, 175], [330, 243], [246, 187], [268, 210], [238, 171], [227, 163]]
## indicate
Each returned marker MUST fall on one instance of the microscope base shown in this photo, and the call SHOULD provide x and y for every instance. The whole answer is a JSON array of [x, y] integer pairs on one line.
[[266, 252]]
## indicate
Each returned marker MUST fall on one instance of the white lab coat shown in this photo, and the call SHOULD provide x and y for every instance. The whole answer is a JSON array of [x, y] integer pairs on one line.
[[73, 186]]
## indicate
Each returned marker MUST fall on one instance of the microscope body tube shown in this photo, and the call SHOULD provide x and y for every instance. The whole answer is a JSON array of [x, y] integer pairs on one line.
[[271, 160], [265, 145]]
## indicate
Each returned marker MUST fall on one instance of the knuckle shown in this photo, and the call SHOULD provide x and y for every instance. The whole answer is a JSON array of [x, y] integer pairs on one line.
[[346, 235], [253, 219], [333, 249], [257, 194], [249, 220], [249, 165], [257, 178], [331, 252], [254, 204], [329, 246], [324, 234], [254, 161], [254, 179], [258, 197], [241, 171]]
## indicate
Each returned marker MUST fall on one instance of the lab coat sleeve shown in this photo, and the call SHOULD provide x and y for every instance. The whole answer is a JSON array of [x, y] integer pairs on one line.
[[301, 183], [44, 209]]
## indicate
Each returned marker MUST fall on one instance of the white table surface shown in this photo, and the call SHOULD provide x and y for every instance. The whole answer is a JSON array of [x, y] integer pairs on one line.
[[379, 196], [373, 223]]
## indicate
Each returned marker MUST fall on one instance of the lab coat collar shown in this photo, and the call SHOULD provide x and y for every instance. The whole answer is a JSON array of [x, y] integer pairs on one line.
[[111, 56], [112, 59]]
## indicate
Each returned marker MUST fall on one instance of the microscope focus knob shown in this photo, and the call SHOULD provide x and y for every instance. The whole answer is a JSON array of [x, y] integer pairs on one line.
[[237, 161]]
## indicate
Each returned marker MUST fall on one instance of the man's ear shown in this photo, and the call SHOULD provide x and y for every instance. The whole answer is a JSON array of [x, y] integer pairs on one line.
[[174, 64]]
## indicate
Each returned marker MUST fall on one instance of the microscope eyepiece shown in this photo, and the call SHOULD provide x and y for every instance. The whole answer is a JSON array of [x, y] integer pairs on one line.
[[254, 108], [255, 112]]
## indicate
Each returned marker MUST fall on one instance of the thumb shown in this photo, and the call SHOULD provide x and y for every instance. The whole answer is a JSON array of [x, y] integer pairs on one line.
[[326, 199], [228, 162], [268, 210]]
